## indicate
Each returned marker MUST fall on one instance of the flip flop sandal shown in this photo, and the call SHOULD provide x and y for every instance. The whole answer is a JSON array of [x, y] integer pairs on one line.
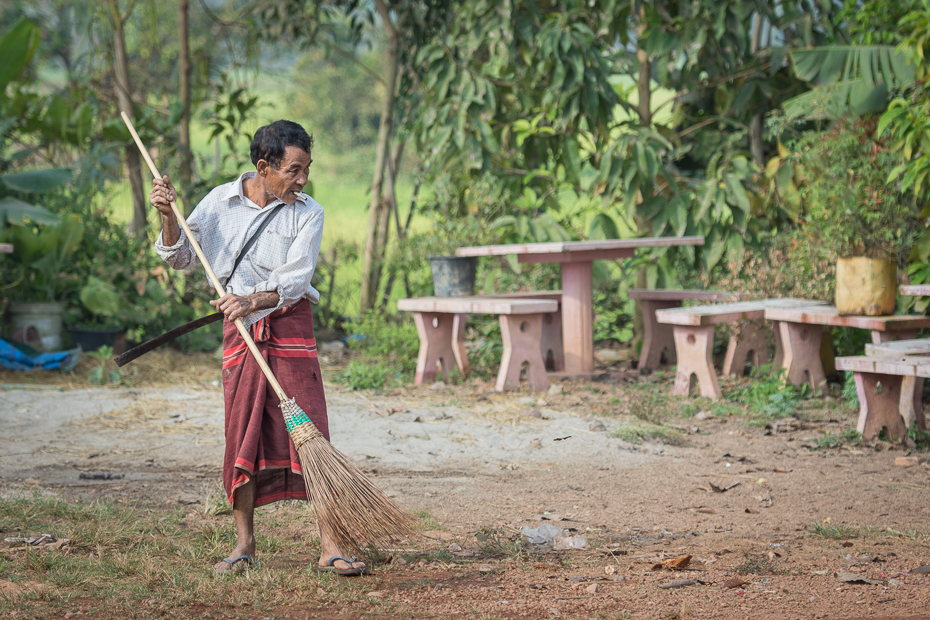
[[245, 559], [348, 572]]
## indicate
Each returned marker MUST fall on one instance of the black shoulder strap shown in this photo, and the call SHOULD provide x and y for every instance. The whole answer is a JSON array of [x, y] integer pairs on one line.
[[251, 241]]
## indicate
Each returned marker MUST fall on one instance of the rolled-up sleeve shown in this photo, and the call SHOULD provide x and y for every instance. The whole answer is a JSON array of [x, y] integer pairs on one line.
[[291, 281], [180, 255]]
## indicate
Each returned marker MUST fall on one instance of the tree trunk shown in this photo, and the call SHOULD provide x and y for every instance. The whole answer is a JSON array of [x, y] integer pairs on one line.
[[371, 258], [755, 126], [388, 206], [187, 158], [644, 107], [123, 90]]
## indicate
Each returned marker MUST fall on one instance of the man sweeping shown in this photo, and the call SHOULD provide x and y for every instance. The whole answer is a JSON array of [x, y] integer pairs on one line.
[[262, 236]]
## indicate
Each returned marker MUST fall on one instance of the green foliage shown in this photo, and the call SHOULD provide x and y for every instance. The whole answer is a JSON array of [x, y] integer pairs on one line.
[[41, 257], [387, 348], [106, 372], [769, 395], [638, 433], [365, 375], [850, 209], [850, 394]]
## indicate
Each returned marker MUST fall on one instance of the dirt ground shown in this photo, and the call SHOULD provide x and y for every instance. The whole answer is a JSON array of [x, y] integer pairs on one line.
[[775, 527]]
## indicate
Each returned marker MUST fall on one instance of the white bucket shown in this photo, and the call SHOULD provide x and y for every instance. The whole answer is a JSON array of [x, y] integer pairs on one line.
[[44, 316]]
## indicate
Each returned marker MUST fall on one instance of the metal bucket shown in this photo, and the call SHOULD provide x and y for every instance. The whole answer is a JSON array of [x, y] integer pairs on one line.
[[453, 276]]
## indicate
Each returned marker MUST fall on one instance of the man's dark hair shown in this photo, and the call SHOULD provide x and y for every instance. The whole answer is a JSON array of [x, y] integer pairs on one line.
[[271, 140]]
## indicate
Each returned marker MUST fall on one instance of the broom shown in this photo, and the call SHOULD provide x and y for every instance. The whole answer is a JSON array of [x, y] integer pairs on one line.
[[347, 503]]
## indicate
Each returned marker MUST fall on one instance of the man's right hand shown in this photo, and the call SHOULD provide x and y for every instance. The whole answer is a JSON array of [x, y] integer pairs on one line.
[[162, 194]]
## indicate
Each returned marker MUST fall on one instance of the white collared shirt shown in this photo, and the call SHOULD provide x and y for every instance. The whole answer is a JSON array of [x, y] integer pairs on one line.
[[282, 259]]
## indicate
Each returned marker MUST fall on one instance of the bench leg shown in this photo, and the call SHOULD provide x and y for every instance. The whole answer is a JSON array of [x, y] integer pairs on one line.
[[779, 347], [911, 405], [521, 335], [551, 340], [879, 410], [657, 337], [458, 344], [802, 361], [436, 345], [694, 347], [751, 341]]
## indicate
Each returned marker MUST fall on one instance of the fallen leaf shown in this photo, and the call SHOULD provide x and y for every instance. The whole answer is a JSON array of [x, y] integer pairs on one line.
[[610, 570], [854, 578], [374, 409], [678, 583], [733, 582], [847, 544], [707, 511], [674, 564]]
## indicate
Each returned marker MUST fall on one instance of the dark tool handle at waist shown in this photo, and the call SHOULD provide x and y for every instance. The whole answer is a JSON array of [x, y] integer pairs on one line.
[[145, 347]]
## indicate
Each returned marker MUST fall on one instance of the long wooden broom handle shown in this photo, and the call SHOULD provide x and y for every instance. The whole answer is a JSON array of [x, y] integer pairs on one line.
[[206, 265]]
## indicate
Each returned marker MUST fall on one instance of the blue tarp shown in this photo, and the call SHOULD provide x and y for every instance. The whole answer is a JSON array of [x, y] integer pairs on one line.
[[16, 356]]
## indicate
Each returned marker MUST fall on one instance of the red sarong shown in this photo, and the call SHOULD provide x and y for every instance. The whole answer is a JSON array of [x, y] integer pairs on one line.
[[257, 442]]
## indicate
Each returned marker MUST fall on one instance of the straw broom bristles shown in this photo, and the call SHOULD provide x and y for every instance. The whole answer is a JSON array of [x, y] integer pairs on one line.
[[347, 503], [354, 509]]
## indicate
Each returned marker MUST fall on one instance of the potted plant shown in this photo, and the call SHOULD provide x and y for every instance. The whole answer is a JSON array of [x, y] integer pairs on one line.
[[35, 277], [852, 213], [95, 322]]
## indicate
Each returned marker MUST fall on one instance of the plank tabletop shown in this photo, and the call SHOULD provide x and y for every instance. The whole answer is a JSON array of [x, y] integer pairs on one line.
[[6, 248], [696, 316], [901, 366], [654, 294], [914, 290], [562, 247], [899, 347], [478, 305], [828, 315]]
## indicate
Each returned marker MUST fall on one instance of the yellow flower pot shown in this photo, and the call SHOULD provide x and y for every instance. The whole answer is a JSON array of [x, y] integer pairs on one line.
[[866, 286]]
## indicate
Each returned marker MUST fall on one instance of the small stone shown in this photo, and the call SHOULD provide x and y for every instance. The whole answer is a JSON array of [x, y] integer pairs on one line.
[[591, 589], [485, 568], [536, 443], [610, 570], [375, 594], [701, 416], [438, 385], [906, 461], [400, 562], [533, 413], [812, 599], [555, 390], [597, 426], [894, 583]]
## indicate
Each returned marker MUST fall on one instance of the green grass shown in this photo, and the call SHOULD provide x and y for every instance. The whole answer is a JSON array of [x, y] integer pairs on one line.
[[834, 531], [638, 433]]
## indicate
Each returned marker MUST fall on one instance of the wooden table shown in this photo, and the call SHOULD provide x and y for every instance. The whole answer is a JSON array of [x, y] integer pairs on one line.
[[801, 339], [576, 258]]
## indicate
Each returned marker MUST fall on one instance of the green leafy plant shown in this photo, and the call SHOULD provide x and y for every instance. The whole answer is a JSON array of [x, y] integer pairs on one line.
[[849, 207], [362, 375], [768, 394], [106, 372], [846, 437], [834, 531], [37, 270]]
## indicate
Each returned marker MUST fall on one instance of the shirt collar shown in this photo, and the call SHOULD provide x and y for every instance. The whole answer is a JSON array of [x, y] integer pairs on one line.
[[235, 189]]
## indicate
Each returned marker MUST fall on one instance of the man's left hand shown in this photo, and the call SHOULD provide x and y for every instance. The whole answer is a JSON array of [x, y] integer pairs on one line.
[[234, 306]]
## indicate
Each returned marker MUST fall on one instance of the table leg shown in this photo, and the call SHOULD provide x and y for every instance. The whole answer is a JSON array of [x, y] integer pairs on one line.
[[802, 361], [779, 347], [879, 408], [911, 404], [695, 347], [551, 340], [521, 335], [656, 336], [577, 318], [436, 337]]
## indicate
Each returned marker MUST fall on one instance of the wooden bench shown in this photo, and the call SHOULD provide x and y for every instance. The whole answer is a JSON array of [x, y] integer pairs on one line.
[[694, 340], [440, 324], [914, 290], [659, 337], [550, 344], [801, 330], [881, 390]]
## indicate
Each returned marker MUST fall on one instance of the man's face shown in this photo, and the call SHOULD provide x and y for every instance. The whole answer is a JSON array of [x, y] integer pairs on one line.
[[290, 176]]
